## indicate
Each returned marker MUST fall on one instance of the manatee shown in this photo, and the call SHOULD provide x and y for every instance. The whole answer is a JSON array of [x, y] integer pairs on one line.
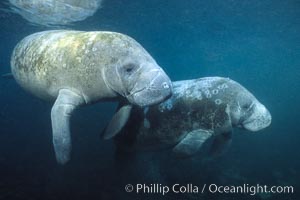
[[54, 12], [200, 110], [75, 68]]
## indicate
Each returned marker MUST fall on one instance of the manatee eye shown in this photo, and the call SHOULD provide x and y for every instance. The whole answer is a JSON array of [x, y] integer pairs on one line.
[[247, 106], [129, 68]]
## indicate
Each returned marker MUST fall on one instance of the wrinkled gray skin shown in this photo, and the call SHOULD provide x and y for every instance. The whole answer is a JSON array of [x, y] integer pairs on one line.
[[74, 68], [200, 109]]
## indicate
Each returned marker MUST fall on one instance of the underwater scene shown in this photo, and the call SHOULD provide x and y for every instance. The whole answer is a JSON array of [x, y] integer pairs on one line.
[[158, 99]]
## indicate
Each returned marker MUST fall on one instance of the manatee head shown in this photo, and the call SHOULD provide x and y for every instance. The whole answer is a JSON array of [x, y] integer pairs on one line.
[[247, 112], [136, 76]]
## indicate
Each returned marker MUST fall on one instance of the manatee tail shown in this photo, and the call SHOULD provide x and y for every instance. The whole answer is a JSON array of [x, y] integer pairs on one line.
[[8, 76]]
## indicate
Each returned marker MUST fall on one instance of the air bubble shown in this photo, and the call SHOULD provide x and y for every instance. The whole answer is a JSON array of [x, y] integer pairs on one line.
[[207, 93], [218, 101], [215, 91]]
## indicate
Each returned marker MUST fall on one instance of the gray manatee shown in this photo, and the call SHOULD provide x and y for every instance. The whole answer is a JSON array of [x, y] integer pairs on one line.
[[74, 68], [200, 109]]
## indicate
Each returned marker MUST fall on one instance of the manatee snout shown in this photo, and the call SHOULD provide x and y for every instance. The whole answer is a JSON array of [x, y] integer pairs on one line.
[[154, 87], [260, 118]]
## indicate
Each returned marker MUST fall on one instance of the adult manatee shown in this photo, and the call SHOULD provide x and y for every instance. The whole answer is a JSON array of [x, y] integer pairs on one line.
[[76, 68]]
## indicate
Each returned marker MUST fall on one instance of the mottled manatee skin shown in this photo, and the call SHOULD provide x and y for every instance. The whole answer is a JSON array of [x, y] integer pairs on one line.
[[45, 62], [210, 103]]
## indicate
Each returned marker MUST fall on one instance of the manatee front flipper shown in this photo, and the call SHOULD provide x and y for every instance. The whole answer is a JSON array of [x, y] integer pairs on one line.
[[62, 109], [118, 121], [191, 143]]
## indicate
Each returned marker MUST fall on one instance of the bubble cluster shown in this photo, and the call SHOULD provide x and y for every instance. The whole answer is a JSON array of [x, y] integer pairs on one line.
[[187, 89], [223, 86], [208, 94]]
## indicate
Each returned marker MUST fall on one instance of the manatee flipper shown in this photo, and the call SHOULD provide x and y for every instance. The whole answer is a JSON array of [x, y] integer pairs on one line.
[[118, 121], [192, 142], [62, 109]]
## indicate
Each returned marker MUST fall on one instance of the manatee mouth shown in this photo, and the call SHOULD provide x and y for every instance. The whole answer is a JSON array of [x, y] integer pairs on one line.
[[155, 97], [258, 120], [157, 89]]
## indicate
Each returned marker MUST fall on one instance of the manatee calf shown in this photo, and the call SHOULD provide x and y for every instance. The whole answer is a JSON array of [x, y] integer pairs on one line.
[[76, 68], [198, 110]]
